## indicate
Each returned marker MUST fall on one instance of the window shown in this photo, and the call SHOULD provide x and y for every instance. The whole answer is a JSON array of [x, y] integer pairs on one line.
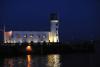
[[25, 36], [43, 35], [31, 35]]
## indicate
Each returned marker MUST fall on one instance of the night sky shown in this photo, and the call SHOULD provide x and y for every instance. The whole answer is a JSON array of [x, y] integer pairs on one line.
[[78, 17]]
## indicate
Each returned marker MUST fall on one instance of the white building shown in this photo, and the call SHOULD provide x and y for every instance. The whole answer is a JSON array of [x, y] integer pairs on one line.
[[35, 36]]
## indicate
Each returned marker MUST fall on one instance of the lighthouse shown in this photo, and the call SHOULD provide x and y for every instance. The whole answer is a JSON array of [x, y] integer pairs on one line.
[[54, 27]]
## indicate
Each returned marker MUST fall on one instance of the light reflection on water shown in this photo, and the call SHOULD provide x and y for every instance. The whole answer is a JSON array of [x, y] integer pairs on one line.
[[33, 61], [53, 60], [29, 59]]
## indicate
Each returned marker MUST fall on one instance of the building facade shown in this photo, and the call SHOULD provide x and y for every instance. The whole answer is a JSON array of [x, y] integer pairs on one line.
[[35, 36]]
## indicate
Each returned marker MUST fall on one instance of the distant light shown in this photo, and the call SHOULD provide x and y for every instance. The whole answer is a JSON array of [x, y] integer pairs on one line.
[[21, 41], [31, 36], [35, 41], [43, 36], [25, 36], [28, 49], [55, 21]]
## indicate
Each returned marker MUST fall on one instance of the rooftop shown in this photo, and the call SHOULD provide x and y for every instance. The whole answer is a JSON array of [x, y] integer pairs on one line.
[[28, 28]]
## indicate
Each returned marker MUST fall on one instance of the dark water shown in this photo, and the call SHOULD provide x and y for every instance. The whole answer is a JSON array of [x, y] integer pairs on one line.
[[51, 60]]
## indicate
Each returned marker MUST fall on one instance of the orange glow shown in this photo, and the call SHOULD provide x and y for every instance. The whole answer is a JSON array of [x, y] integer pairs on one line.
[[28, 60], [28, 48]]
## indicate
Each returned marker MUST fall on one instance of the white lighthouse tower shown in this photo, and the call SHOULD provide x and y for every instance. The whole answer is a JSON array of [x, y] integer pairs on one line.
[[54, 27]]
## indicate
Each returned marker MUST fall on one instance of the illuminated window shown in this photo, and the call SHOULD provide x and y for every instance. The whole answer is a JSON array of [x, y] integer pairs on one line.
[[44, 36], [31, 35], [25, 36]]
